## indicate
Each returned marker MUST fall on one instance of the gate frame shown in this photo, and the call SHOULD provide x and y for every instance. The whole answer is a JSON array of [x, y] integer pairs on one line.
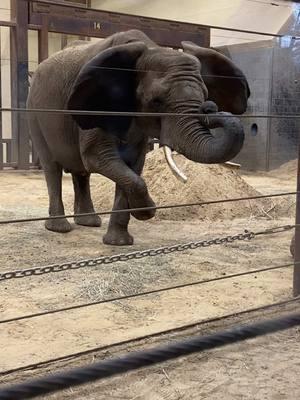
[[74, 19]]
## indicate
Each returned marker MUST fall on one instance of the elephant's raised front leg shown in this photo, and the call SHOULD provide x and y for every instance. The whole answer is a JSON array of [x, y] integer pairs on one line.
[[117, 233], [83, 202], [124, 168]]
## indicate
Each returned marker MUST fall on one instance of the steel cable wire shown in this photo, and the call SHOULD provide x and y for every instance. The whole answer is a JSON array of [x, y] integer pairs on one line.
[[143, 114], [163, 207], [146, 293], [149, 336], [145, 358]]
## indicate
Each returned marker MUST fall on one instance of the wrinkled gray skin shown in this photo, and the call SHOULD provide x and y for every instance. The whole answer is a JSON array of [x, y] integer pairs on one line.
[[129, 72]]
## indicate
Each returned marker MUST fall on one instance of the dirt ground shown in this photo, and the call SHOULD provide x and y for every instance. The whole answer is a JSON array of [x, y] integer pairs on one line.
[[267, 368]]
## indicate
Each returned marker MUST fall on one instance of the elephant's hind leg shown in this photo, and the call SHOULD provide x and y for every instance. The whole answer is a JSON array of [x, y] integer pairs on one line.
[[53, 175], [117, 232], [83, 202]]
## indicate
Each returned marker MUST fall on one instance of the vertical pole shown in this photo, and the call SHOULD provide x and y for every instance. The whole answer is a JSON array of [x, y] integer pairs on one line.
[[43, 40], [1, 143], [270, 106], [19, 68], [296, 279]]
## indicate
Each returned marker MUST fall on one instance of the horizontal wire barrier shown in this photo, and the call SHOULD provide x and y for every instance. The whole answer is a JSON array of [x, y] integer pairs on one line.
[[170, 206], [136, 360], [118, 69], [145, 358], [146, 293], [54, 268], [151, 335], [144, 114]]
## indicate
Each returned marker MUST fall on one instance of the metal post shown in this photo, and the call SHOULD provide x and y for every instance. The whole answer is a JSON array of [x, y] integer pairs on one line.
[[1, 143], [296, 280]]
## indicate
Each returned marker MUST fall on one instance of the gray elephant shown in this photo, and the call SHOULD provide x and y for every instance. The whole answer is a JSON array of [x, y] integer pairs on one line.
[[127, 72]]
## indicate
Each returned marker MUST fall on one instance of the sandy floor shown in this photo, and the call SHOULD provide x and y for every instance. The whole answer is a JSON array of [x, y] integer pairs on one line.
[[265, 369]]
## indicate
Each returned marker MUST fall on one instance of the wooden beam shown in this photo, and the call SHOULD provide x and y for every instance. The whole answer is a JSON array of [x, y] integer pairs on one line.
[[67, 19], [43, 40], [9, 24], [19, 73]]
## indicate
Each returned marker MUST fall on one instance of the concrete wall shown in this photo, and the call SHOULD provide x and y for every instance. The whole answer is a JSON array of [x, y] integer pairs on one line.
[[285, 99], [256, 63], [273, 71]]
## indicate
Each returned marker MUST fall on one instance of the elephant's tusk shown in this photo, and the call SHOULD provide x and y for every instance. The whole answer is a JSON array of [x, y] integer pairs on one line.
[[232, 165], [175, 170]]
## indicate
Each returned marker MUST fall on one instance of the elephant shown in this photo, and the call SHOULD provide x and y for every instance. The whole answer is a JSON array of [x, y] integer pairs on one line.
[[190, 92]]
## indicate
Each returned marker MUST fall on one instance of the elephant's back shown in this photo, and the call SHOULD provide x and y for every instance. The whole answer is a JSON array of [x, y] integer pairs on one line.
[[53, 80]]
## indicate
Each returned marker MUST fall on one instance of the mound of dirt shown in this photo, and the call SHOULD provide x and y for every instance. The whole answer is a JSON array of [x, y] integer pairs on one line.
[[287, 170], [205, 182]]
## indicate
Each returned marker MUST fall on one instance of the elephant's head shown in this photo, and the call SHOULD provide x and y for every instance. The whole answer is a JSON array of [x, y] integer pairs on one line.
[[135, 78]]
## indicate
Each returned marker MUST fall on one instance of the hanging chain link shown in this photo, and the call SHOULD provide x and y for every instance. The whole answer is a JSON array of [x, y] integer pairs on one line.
[[139, 254], [123, 257]]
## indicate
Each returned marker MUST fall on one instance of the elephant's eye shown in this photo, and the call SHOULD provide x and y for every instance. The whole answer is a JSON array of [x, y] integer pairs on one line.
[[156, 102]]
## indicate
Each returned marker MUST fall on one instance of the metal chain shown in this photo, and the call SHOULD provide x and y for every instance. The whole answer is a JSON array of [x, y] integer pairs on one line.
[[35, 271], [123, 257]]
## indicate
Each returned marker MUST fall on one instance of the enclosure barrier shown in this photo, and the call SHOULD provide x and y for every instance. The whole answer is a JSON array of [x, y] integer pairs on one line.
[[169, 206], [145, 358], [139, 254], [18, 152]]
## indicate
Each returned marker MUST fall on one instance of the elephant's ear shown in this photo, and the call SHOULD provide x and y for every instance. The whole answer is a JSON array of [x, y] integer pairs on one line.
[[227, 85], [107, 83]]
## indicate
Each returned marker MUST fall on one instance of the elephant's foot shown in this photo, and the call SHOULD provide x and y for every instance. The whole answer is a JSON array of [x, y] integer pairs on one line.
[[141, 201], [60, 225], [144, 215], [117, 237], [90, 220]]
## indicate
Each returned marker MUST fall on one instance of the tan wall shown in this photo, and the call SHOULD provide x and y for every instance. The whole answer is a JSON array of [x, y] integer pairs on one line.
[[243, 14], [5, 10]]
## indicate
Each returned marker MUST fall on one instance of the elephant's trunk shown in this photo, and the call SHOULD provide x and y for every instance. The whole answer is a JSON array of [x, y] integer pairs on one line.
[[192, 137]]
